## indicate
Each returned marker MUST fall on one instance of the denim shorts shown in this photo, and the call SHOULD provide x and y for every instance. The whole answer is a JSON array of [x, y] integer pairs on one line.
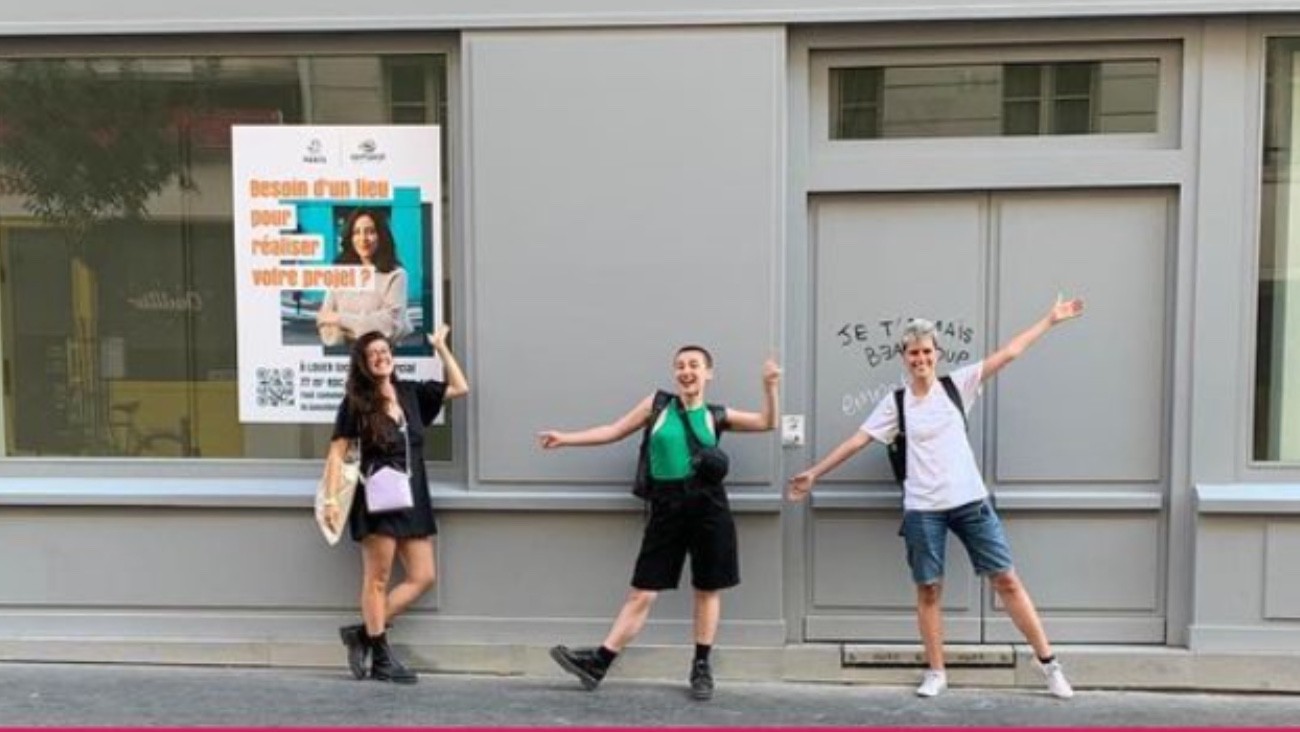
[[976, 524]]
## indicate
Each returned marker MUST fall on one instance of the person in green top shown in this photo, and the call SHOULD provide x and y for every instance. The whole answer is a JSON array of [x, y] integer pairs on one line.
[[687, 516]]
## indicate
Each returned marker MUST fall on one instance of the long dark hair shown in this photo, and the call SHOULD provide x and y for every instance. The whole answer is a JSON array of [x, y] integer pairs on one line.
[[364, 399], [385, 259]]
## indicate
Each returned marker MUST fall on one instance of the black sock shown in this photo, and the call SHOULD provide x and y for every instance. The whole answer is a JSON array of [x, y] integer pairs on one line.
[[702, 651], [1047, 660], [606, 656]]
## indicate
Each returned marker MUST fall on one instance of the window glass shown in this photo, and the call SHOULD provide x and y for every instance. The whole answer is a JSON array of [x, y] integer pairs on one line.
[[978, 100], [116, 241], [856, 94], [1277, 362]]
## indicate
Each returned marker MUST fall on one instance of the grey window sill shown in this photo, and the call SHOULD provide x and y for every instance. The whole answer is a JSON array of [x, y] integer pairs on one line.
[[298, 493]]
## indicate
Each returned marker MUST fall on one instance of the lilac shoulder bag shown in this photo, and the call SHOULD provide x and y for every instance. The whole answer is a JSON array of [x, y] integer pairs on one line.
[[389, 489]]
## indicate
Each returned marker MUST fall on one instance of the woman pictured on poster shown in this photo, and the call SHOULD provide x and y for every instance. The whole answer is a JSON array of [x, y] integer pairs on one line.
[[346, 315], [387, 416]]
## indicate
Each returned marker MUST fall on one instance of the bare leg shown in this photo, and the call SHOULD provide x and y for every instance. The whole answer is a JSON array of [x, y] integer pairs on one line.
[[1021, 609], [416, 556], [377, 554], [631, 618], [708, 610], [929, 618]]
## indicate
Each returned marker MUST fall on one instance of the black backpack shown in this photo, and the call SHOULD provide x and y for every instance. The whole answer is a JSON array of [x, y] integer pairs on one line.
[[898, 448], [662, 399]]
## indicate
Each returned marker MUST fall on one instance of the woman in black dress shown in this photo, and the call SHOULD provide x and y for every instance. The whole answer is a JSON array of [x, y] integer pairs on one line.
[[388, 416]]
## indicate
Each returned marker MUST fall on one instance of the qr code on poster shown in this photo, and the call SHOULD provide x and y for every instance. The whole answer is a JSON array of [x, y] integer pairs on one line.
[[275, 387]]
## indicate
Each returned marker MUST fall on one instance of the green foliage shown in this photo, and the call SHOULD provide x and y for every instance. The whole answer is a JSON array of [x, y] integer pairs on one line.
[[84, 141]]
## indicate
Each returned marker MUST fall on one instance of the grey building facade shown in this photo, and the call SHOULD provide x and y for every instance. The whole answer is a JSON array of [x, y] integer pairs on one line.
[[625, 177]]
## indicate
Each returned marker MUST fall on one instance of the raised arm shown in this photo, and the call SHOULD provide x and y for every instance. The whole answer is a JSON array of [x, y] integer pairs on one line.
[[602, 435], [1061, 311], [802, 484], [765, 420], [457, 385]]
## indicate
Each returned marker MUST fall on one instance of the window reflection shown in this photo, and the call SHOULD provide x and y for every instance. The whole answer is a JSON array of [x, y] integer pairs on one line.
[[1277, 362], [116, 241], [981, 100]]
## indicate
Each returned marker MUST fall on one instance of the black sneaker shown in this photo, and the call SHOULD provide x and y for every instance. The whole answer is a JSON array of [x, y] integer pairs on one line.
[[701, 680], [581, 662]]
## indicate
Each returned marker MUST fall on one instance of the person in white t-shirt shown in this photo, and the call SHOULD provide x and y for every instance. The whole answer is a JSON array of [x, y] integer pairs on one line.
[[943, 490]]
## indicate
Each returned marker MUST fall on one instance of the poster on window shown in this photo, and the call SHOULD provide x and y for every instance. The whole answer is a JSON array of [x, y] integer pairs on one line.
[[337, 234]]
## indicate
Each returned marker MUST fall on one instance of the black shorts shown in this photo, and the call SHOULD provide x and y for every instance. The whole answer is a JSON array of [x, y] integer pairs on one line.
[[688, 518]]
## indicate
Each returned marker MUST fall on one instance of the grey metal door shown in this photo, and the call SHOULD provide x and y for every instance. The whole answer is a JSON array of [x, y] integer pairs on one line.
[[1072, 438]]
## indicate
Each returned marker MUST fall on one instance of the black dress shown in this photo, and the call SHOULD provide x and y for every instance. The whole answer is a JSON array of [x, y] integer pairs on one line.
[[420, 403]]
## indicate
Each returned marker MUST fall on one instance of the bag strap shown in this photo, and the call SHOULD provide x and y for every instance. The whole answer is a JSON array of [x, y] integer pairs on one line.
[[693, 443], [404, 428], [902, 418], [719, 414], [716, 413], [949, 387], [955, 395], [660, 402]]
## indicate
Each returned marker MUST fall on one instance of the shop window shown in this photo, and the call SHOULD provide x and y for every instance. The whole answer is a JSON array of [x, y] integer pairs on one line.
[[981, 100], [116, 242], [1277, 361]]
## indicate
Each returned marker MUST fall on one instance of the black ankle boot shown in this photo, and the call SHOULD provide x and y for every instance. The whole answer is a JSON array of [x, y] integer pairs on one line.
[[354, 637], [384, 665]]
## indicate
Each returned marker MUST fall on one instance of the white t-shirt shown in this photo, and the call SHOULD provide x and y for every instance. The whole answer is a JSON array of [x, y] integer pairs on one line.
[[941, 469]]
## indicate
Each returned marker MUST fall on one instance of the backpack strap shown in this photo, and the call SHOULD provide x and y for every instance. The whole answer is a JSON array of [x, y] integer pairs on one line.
[[898, 448], [641, 483], [719, 415], [661, 401], [898, 407], [955, 395]]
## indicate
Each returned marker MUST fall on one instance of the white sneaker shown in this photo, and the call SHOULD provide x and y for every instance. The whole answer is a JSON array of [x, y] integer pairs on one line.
[[933, 683], [1056, 682]]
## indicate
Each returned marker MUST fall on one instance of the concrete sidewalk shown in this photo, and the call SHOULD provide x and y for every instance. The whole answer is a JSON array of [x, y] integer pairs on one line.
[[124, 695]]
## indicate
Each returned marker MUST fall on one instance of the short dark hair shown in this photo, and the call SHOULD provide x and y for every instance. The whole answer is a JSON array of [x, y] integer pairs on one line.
[[708, 357]]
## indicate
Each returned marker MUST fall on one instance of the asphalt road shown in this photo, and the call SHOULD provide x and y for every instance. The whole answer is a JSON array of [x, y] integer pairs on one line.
[[137, 696]]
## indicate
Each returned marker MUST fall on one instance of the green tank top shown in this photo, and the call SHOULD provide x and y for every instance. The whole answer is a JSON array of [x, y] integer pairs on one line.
[[670, 454]]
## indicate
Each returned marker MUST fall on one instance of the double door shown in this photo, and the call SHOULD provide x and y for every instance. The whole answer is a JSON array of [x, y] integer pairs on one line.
[[1072, 438]]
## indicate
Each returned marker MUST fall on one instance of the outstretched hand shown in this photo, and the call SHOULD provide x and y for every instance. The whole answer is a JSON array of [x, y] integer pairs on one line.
[[550, 439], [1065, 310], [801, 485]]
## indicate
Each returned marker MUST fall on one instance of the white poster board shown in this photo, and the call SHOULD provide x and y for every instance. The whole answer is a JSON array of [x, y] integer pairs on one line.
[[338, 231]]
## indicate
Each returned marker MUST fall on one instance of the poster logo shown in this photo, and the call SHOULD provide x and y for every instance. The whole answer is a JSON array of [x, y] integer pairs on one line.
[[368, 152], [315, 154]]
